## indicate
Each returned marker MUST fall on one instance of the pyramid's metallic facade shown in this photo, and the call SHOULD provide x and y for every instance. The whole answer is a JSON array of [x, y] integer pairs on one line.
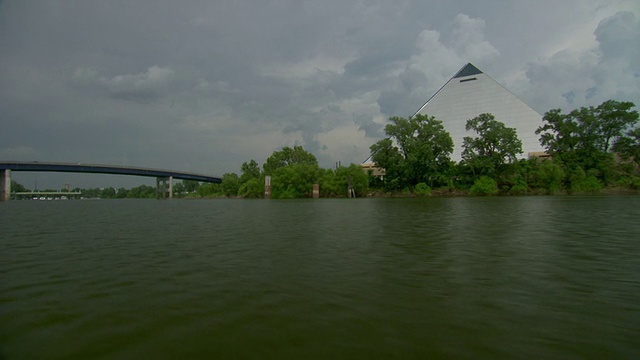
[[470, 93]]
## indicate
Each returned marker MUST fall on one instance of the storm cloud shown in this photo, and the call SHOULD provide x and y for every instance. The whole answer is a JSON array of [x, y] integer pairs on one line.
[[204, 86]]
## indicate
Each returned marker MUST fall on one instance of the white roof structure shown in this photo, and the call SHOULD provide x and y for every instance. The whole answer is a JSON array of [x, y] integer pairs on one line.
[[469, 93]]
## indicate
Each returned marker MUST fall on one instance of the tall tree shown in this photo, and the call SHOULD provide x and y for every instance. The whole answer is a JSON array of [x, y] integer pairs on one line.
[[288, 156], [387, 156], [142, 191], [629, 146], [179, 189], [16, 187], [230, 184], [615, 118], [251, 182], [336, 182], [494, 149], [559, 135], [250, 170], [416, 150], [294, 181], [190, 185], [584, 136], [252, 188]]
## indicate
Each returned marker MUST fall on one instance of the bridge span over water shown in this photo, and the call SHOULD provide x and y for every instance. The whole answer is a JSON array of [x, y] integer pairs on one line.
[[164, 178]]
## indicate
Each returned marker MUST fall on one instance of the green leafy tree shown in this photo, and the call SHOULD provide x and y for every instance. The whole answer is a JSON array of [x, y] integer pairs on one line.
[[548, 176], [16, 187], [422, 189], [629, 146], [294, 181], [581, 181], [107, 193], [462, 176], [416, 150], [121, 193], [293, 172], [91, 192], [484, 186], [354, 174], [521, 183], [185, 187], [207, 190], [142, 192], [329, 183], [613, 118], [251, 181], [250, 170], [335, 183], [494, 149], [252, 188], [288, 156], [179, 189], [520, 187], [190, 186], [584, 136], [230, 184], [387, 156], [559, 136]]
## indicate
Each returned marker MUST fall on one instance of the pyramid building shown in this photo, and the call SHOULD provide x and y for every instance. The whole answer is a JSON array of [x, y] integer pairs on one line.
[[469, 93]]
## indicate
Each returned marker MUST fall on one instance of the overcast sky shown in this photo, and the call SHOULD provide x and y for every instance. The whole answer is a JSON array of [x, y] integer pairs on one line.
[[205, 85]]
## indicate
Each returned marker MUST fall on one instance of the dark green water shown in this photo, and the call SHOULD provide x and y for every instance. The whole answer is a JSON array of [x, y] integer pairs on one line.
[[529, 277]]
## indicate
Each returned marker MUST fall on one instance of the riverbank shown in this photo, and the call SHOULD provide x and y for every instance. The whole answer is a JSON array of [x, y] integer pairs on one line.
[[465, 193]]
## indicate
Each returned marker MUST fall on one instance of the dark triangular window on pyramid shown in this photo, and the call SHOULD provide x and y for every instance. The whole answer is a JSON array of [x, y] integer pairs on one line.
[[468, 70]]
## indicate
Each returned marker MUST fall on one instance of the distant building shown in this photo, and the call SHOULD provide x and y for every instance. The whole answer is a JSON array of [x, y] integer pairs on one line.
[[469, 93], [371, 168]]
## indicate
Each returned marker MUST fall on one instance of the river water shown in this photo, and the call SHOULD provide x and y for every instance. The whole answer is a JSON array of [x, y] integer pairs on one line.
[[495, 277]]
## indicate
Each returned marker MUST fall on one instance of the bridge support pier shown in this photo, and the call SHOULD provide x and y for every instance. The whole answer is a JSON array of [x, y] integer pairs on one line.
[[164, 184], [5, 185]]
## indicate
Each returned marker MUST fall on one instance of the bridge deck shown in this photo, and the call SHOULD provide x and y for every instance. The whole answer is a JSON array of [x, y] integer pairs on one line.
[[104, 169]]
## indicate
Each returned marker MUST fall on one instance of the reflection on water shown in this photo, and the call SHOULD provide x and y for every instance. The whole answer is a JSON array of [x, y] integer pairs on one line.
[[456, 277]]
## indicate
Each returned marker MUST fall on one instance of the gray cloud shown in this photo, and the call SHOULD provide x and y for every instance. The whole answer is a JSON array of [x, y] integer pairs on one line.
[[618, 36], [371, 128], [144, 86], [570, 79], [434, 60], [204, 86]]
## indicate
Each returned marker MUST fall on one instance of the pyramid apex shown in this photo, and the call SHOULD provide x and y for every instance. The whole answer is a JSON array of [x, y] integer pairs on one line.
[[468, 70]]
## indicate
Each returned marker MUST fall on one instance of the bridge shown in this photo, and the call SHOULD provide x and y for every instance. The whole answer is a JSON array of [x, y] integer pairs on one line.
[[164, 178]]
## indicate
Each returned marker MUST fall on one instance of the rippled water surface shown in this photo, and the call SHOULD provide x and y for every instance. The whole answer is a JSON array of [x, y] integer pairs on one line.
[[525, 277]]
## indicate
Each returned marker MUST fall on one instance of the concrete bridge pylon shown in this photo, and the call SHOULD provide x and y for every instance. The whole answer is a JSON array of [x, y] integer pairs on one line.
[[5, 184], [164, 185]]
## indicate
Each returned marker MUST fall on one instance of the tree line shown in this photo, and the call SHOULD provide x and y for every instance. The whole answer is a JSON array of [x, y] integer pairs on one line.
[[587, 149], [293, 172]]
